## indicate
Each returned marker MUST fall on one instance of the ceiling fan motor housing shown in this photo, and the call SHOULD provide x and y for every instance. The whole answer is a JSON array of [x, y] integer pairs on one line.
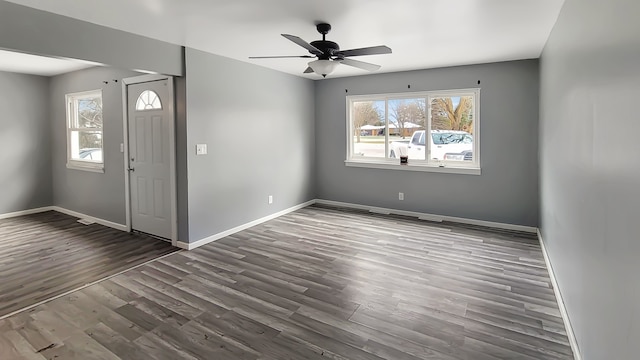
[[328, 48]]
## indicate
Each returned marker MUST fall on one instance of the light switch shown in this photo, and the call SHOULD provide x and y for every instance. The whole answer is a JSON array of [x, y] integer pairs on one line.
[[121, 147], [201, 149]]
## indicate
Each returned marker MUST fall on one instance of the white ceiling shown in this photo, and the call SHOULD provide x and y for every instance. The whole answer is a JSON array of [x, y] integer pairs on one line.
[[421, 33], [39, 65]]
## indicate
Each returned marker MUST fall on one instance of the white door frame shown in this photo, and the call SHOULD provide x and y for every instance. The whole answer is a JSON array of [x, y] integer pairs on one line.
[[172, 148]]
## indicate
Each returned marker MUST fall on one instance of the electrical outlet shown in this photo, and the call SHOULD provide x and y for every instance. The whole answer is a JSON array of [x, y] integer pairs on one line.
[[270, 199], [401, 196]]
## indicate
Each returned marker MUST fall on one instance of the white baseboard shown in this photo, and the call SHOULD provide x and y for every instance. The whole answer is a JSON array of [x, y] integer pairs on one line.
[[378, 210], [106, 223], [68, 212], [218, 236], [373, 209], [563, 310], [25, 212], [430, 217]]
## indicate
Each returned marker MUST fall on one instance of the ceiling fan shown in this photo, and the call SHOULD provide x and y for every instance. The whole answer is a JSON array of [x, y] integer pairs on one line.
[[329, 55]]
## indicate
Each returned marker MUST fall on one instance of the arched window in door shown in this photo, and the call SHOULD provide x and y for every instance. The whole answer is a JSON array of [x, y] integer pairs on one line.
[[148, 100]]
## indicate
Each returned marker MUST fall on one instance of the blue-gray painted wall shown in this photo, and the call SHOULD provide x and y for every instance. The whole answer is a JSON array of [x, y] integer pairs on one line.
[[590, 171], [25, 156], [507, 190], [259, 127]]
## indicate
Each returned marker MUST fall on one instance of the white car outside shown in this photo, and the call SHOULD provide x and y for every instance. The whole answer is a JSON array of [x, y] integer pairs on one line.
[[442, 142]]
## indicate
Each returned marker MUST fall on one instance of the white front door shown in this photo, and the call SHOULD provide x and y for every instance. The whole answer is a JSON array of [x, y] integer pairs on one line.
[[150, 122]]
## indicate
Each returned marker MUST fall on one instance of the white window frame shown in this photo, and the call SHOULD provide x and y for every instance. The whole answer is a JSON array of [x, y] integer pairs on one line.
[[71, 101], [430, 165]]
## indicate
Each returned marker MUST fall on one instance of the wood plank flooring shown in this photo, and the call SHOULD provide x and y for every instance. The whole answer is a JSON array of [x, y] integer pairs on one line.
[[319, 283], [48, 254]]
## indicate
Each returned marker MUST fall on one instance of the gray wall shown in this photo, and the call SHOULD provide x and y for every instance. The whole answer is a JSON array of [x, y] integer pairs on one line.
[[590, 171], [34, 31], [94, 194], [507, 190], [25, 158], [259, 128]]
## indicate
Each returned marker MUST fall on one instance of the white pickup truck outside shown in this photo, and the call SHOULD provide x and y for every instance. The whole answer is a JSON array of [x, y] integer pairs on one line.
[[442, 142]]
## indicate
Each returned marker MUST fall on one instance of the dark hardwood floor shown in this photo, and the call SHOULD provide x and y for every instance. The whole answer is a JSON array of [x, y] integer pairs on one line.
[[48, 254], [319, 283]]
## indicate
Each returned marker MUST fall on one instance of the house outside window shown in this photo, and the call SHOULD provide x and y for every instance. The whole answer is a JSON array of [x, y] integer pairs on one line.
[[85, 131], [435, 130]]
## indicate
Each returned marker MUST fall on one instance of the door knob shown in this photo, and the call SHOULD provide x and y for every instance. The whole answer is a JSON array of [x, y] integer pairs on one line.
[[131, 169]]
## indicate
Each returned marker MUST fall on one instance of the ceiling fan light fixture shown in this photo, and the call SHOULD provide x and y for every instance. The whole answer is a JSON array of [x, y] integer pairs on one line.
[[323, 67]]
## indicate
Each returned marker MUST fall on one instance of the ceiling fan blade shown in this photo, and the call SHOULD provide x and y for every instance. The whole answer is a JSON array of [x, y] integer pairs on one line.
[[282, 57], [312, 49], [360, 64], [373, 50], [309, 70]]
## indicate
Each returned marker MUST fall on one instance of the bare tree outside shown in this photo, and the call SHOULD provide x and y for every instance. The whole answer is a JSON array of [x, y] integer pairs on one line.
[[405, 111], [421, 113], [449, 113], [90, 117], [364, 113]]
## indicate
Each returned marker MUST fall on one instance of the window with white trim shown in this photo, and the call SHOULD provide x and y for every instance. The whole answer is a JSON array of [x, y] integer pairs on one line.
[[84, 131], [433, 130]]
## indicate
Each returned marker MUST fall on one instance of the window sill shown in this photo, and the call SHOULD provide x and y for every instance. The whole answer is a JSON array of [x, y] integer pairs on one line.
[[448, 169], [96, 168]]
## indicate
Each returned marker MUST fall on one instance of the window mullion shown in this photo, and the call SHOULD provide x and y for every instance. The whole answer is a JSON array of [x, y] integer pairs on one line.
[[350, 130], [71, 117], [427, 131], [386, 131]]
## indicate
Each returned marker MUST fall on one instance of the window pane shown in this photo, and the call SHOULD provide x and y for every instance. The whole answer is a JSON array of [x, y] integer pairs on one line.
[[148, 100], [89, 112], [86, 145], [406, 116], [432, 128], [407, 119], [452, 128], [369, 128]]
